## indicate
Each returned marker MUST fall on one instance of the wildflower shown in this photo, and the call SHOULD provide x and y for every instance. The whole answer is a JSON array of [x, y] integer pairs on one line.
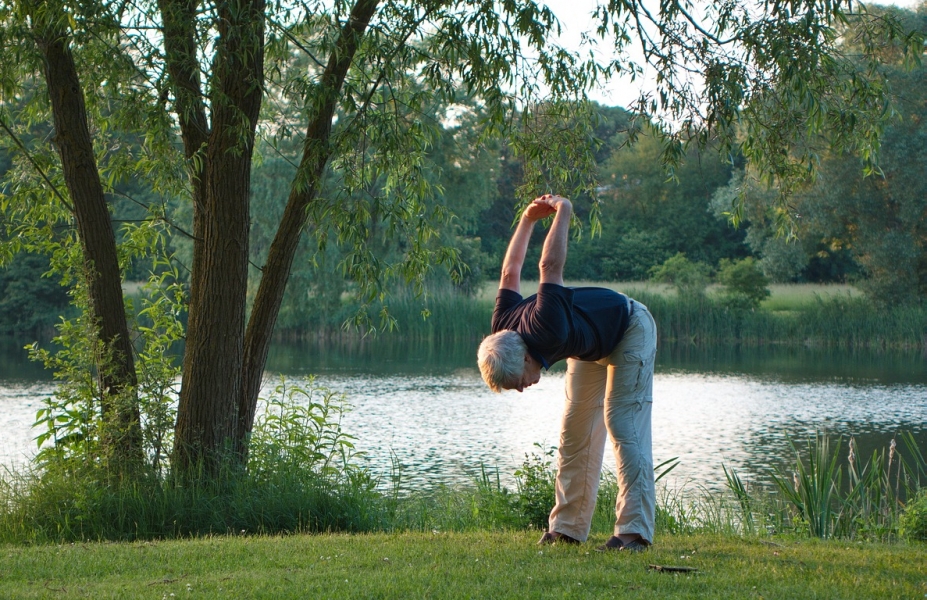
[[891, 452]]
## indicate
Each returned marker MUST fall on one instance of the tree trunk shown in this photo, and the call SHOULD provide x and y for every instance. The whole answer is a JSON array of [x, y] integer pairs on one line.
[[122, 437], [179, 18], [207, 412], [276, 270], [223, 365]]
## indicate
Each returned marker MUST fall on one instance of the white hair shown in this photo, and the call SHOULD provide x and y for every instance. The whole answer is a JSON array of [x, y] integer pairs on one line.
[[501, 358]]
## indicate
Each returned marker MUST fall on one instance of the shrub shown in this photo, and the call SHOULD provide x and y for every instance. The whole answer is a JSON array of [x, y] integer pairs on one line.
[[535, 482], [299, 430], [689, 278], [744, 285], [913, 521]]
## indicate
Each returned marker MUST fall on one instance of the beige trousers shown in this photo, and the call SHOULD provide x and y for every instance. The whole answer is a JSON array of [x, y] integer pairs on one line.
[[609, 398]]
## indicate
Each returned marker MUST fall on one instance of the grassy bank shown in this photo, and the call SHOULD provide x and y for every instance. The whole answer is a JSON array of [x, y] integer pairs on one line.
[[461, 565]]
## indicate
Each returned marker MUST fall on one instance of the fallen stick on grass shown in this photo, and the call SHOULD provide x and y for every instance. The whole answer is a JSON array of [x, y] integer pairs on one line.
[[669, 569]]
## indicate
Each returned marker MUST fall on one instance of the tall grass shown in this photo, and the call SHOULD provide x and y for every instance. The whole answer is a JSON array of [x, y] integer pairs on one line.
[[820, 497], [815, 487], [822, 321], [866, 500], [827, 322], [444, 314], [57, 508]]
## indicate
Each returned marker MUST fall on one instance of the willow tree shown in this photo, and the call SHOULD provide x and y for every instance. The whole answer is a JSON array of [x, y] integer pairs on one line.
[[875, 226], [350, 81]]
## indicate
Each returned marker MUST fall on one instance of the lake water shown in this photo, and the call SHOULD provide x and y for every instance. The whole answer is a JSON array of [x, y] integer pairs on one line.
[[425, 406]]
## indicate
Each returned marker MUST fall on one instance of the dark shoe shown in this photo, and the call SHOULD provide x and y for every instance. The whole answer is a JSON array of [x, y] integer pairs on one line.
[[614, 543], [552, 537], [635, 546]]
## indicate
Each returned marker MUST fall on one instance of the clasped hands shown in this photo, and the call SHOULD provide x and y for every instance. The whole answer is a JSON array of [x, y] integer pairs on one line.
[[544, 206]]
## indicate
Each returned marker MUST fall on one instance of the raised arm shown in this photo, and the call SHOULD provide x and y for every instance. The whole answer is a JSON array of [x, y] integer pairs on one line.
[[515, 254], [553, 255]]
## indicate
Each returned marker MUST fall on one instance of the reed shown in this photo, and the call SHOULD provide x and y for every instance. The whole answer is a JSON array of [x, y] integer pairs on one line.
[[814, 488], [820, 497], [813, 316], [850, 322], [441, 315]]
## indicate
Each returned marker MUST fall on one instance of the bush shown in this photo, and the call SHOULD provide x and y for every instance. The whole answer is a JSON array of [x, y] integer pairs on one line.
[[689, 278], [913, 521], [299, 431], [535, 481], [744, 285]]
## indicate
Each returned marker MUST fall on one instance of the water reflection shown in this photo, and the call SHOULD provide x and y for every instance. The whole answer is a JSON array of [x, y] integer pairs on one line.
[[746, 423], [386, 355], [798, 363], [15, 365]]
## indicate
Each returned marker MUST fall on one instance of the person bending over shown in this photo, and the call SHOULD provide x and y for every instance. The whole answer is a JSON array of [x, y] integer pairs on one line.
[[609, 343]]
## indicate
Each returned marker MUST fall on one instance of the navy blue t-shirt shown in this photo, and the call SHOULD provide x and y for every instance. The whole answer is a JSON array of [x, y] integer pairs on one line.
[[557, 322]]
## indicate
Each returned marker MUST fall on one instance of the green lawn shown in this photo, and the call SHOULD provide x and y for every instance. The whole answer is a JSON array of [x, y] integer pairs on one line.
[[461, 565], [790, 296]]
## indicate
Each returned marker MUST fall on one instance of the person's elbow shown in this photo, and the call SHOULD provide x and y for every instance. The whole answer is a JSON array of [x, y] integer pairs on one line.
[[551, 271], [511, 272], [551, 265], [511, 279]]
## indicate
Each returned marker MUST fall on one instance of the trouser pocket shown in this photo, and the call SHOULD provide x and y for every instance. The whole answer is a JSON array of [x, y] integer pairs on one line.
[[632, 375]]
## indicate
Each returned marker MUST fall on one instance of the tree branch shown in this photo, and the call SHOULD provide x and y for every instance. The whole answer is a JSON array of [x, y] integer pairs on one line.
[[35, 165], [295, 41]]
